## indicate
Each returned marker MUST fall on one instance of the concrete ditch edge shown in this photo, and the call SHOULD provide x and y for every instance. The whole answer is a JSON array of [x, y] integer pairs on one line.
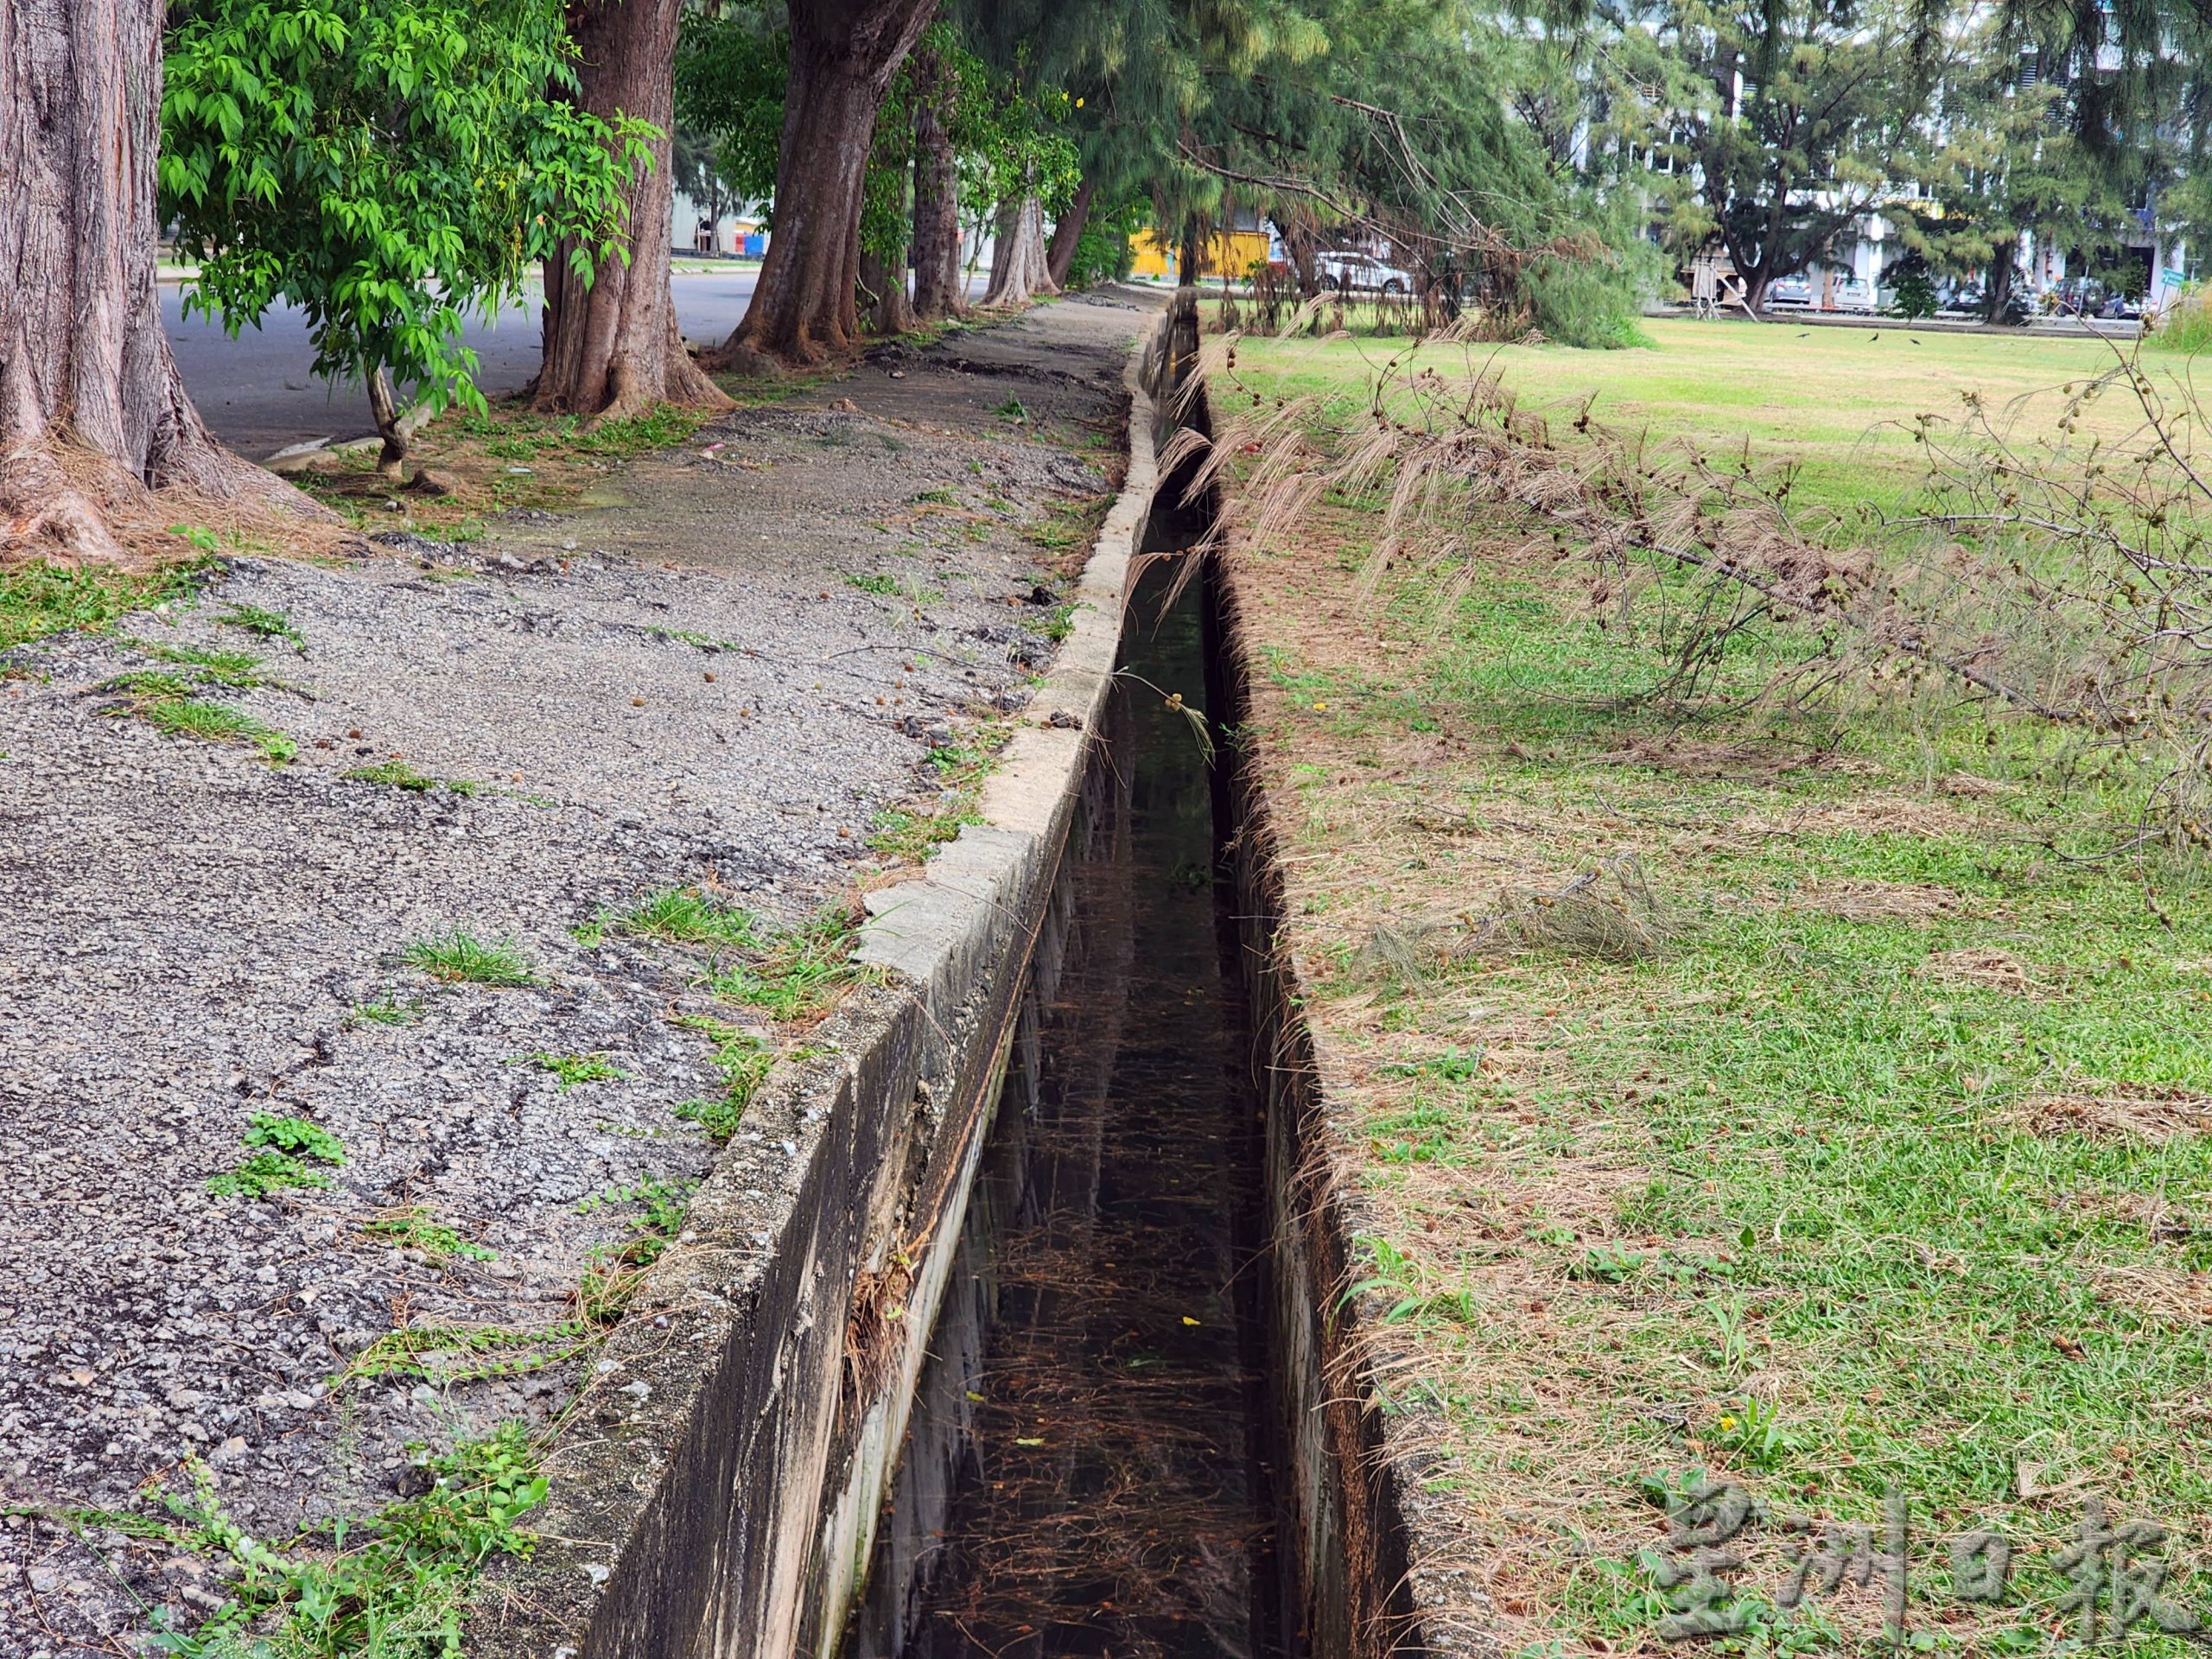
[[717, 1488]]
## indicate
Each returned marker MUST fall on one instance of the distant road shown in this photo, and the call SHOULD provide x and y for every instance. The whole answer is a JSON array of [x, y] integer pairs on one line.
[[257, 395]]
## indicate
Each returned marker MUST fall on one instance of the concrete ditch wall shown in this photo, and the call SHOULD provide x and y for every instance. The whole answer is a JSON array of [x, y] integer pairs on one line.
[[718, 1490], [1347, 1592]]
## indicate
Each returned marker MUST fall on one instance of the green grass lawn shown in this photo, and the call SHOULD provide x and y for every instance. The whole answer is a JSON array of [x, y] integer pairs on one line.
[[1837, 400], [1842, 1132]]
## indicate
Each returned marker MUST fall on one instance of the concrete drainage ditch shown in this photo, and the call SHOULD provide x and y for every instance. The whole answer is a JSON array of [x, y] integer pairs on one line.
[[1040, 1348]]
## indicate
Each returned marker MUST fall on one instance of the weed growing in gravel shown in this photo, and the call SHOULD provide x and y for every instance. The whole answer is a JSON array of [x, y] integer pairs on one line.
[[610, 1280], [1069, 523], [398, 775], [265, 624], [573, 1068], [446, 1356], [165, 699], [795, 970], [389, 1010], [150, 682], [394, 1586], [889, 586], [37, 599], [238, 669], [458, 958], [907, 833], [1013, 409], [686, 916], [791, 972], [277, 1145], [743, 1059], [416, 1229], [214, 723]]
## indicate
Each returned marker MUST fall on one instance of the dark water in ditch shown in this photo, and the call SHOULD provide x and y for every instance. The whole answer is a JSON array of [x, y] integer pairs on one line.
[[1116, 1498]]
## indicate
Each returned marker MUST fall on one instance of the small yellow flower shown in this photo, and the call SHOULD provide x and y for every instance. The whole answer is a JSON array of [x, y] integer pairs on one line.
[[1320, 707], [1727, 1424]]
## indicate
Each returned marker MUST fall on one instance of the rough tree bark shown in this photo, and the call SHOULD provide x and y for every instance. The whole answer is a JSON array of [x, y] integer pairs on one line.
[[938, 291], [1059, 252], [843, 55], [93, 414], [1018, 272], [612, 348]]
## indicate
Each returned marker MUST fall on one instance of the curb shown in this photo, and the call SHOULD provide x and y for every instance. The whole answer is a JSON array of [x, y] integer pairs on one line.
[[718, 1481]]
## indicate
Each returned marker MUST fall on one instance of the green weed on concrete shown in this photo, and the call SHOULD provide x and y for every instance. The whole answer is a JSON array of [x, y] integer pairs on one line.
[[284, 1151]]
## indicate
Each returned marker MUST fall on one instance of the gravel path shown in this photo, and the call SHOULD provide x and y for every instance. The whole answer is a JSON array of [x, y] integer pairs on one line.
[[690, 689]]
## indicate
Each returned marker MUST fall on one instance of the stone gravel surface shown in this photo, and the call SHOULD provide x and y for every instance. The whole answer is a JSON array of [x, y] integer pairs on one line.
[[719, 679]]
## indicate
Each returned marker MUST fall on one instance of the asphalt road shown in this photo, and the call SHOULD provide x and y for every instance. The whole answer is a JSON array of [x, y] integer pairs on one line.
[[258, 394]]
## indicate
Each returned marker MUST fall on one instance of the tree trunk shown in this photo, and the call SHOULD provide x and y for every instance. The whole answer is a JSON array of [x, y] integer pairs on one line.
[[938, 290], [1059, 253], [383, 408], [611, 346], [92, 411], [886, 288], [2001, 263], [843, 55], [1018, 272]]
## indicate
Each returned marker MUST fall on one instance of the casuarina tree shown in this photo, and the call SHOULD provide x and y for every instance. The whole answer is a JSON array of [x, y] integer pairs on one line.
[[93, 414]]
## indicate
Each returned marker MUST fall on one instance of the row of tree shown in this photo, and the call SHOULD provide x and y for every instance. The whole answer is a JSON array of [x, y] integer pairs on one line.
[[386, 165], [389, 165]]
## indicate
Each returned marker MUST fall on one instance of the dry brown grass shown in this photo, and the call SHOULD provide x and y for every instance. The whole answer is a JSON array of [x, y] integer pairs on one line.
[[1886, 901], [1872, 814], [2116, 1110], [1999, 969]]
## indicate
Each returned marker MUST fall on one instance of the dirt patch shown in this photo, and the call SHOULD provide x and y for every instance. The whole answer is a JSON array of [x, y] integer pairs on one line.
[[1692, 757]]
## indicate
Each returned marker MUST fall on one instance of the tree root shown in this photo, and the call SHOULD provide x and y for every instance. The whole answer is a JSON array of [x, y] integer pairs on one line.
[[65, 504]]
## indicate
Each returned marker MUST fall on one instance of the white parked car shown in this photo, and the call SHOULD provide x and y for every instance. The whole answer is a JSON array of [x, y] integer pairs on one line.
[[1853, 293], [1350, 271]]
